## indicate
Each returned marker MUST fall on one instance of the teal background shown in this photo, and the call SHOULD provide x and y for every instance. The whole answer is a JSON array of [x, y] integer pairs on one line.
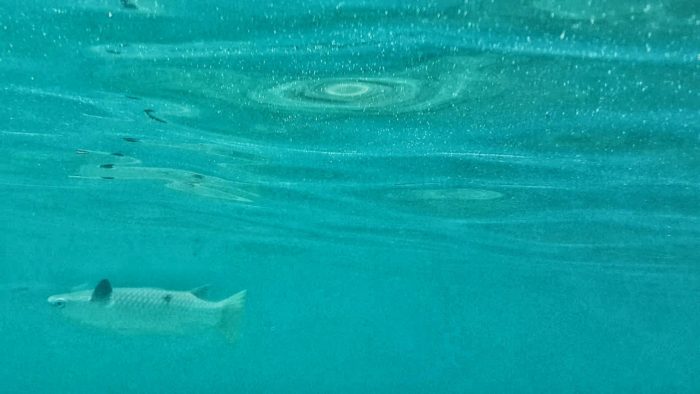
[[536, 231]]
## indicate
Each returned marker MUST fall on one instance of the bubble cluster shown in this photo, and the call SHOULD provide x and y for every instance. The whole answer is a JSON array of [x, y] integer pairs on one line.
[[597, 9]]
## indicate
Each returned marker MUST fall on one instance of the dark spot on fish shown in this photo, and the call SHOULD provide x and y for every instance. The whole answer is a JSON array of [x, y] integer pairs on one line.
[[167, 298], [107, 177], [132, 97], [128, 5], [197, 176], [130, 139], [107, 165], [113, 51], [117, 154], [150, 114]]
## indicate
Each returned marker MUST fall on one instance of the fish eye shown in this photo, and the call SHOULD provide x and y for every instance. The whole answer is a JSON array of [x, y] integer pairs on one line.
[[59, 303]]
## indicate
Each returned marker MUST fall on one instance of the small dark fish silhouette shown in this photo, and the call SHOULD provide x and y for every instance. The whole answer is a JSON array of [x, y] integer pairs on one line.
[[130, 139], [106, 165], [150, 114], [129, 5]]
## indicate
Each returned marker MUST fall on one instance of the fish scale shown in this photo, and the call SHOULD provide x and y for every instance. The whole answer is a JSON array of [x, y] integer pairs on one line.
[[149, 309]]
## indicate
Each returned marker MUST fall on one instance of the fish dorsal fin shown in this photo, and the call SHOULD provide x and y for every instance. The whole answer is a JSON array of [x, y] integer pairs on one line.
[[201, 291], [102, 291]]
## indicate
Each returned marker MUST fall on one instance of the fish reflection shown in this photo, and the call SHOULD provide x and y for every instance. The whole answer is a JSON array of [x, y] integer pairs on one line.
[[116, 166]]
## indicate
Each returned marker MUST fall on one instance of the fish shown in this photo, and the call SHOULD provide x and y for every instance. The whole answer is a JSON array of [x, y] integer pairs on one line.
[[151, 310]]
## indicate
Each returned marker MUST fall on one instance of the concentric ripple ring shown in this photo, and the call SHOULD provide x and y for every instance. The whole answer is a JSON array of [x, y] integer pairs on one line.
[[343, 94]]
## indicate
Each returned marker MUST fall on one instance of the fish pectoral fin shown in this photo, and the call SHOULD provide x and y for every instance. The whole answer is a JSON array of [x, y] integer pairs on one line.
[[201, 291], [102, 292]]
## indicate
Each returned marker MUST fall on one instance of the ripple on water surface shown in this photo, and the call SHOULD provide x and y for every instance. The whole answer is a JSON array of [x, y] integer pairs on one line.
[[450, 203], [427, 86]]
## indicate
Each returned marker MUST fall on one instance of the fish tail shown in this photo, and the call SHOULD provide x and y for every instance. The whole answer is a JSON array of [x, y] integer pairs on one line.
[[232, 315]]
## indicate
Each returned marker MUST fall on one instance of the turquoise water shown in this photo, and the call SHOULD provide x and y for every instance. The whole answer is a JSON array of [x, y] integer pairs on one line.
[[443, 196]]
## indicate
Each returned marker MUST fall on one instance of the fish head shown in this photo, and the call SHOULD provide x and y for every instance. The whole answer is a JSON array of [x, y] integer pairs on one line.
[[71, 304], [84, 305]]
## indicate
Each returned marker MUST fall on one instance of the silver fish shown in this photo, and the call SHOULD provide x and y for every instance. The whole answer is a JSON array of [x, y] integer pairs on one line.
[[149, 310]]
